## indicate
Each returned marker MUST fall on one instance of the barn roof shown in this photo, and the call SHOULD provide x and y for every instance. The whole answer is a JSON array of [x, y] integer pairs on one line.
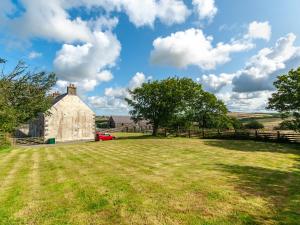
[[58, 98], [122, 119]]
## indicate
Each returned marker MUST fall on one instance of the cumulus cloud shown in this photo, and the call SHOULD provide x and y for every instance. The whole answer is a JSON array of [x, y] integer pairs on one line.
[[34, 55], [74, 62], [264, 67], [249, 88], [259, 30], [192, 47], [114, 98], [140, 13], [84, 85], [245, 102], [89, 46], [206, 9], [172, 11], [214, 83]]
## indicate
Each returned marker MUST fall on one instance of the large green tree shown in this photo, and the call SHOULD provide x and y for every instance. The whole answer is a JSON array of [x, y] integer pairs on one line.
[[159, 102], [175, 102], [23, 95], [286, 99], [210, 112]]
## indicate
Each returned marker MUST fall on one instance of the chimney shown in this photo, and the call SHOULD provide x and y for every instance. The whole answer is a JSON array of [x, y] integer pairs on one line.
[[55, 94], [71, 90]]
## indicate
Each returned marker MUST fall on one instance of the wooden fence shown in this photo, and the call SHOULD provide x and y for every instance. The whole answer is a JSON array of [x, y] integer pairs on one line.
[[272, 136]]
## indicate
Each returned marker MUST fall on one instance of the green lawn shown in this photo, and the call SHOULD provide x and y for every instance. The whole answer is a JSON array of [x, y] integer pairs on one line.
[[139, 180]]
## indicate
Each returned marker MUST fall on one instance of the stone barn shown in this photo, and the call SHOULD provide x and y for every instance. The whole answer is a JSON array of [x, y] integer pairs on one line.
[[126, 123], [69, 119]]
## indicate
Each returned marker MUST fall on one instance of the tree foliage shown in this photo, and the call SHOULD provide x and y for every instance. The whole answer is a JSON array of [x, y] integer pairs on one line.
[[210, 112], [254, 125], [286, 99], [23, 95], [176, 102], [236, 123]]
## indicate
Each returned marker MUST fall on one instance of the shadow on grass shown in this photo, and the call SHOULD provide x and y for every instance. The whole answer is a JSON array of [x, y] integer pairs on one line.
[[279, 188], [254, 146]]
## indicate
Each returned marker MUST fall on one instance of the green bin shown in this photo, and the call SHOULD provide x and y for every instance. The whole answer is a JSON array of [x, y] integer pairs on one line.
[[51, 141]]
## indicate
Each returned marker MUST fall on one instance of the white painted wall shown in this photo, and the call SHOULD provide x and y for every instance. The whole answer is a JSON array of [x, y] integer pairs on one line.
[[70, 120]]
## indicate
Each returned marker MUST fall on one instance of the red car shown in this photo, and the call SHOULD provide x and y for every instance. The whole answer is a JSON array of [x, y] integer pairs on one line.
[[104, 137]]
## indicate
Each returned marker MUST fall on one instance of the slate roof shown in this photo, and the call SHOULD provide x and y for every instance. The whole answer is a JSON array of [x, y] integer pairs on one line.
[[126, 120], [58, 98], [122, 119]]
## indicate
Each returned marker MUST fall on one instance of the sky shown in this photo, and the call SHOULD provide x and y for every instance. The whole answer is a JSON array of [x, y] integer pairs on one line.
[[234, 48]]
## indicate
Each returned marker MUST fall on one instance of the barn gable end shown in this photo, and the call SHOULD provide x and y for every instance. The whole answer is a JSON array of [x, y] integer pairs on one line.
[[70, 119]]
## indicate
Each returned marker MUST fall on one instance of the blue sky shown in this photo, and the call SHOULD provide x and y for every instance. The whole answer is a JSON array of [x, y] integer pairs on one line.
[[234, 48]]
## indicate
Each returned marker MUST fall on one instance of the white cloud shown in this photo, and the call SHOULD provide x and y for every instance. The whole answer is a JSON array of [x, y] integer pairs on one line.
[[263, 68], [246, 102], [137, 80], [214, 83], [140, 13], [145, 13], [248, 89], [34, 55], [114, 98], [59, 26], [192, 47], [116, 92], [206, 9], [89, 47], [105, 76], [259, 30], [172, 11], [75, 62], [83, 86]]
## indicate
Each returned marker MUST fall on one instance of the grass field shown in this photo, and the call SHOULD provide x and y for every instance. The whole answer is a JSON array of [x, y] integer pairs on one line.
[[269, 120], [141, 180]]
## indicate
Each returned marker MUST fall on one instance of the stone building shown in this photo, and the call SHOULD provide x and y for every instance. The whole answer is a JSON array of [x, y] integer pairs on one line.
[[126, 122], [69, 119]]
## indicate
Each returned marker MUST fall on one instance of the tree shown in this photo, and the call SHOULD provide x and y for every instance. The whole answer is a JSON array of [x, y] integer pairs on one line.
[[286, 99], [236, 123], [210, 112], [175, 103], [286, 125], [254, 125], [23, 95], [164, 103]]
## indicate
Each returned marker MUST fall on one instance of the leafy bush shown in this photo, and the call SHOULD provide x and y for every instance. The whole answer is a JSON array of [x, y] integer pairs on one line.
[[286, 125], [254, 125], [236, 123], [4, 142]]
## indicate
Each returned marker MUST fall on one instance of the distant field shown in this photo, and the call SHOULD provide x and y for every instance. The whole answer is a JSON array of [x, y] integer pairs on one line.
[[142, 180], [269, 120]]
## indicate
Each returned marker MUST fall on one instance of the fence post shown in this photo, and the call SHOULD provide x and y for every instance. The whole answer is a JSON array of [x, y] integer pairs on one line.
[[189, 133], [165, 132], [256, 134], [278, 135]]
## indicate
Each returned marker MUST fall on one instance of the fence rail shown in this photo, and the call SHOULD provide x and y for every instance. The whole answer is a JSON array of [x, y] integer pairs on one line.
[[272, 136]]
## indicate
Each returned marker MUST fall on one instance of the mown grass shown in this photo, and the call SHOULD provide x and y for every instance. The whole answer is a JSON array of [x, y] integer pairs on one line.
[[142, 180]]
